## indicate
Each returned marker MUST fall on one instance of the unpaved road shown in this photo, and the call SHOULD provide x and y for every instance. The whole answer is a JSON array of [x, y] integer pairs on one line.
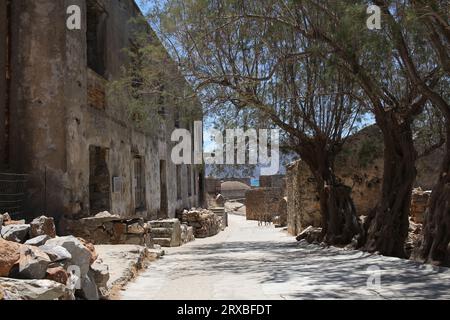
[[250, 262]]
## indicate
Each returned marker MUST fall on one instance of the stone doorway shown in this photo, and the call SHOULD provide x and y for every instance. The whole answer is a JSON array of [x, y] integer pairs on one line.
[[99, 180], [164, 210]]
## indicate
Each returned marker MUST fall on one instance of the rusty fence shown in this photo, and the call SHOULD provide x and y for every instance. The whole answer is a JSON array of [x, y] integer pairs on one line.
[[12, 192]]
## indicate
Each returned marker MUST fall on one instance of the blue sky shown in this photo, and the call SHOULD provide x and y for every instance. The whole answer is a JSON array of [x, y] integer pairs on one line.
[[209, 146]]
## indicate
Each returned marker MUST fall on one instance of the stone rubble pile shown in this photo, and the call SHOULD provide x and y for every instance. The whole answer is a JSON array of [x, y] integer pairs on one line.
[[187, 233], [105, 228], [36, 264], [204, 222]]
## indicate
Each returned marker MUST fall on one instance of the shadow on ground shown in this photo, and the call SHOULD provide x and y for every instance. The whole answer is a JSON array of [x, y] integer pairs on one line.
[[314, 272]]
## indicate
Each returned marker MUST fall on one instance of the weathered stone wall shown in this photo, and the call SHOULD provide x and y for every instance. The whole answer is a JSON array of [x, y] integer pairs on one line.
[[212, 185], [3, 87], [262, 201], [419, 204], [56, 117], [360, 166], [275, 181], [303, 207]]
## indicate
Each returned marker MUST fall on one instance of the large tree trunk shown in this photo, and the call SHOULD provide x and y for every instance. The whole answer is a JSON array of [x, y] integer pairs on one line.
[[340, 223], [435, 246], [387, 225]]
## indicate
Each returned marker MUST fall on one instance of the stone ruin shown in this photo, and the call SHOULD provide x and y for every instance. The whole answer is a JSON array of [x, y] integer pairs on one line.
[[360, 166], [105, 228], [204, 222], [167, 232], [419, 204], [263, 201]]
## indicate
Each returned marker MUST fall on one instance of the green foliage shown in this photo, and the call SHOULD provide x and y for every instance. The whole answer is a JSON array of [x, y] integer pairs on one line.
[[151, 86]]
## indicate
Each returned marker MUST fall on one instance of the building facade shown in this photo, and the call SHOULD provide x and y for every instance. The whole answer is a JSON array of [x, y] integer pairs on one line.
[[80, 149]]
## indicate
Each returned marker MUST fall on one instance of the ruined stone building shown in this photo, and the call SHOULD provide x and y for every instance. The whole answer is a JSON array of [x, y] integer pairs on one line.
[[81, 151], [360, 166]]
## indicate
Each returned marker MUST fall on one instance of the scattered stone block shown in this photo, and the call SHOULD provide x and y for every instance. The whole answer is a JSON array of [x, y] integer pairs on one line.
[[16, 232], [89, 290], [32, 264], [43, 226], [56, 253], [38, 241], [9, 255], [166, 233], [14, 289], [57, 274], [81, 256]]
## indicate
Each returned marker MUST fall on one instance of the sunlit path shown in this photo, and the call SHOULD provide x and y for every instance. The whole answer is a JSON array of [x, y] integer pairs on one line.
[[251, 262]]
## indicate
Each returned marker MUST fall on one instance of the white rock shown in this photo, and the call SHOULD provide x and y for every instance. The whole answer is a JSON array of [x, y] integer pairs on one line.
[[15, 232], [56, 253], [89, 290], [81, 256], [38, 241]]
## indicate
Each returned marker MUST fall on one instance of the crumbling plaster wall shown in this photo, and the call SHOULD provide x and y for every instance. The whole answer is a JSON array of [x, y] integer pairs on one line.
[[54, 125], [3, 49], [38, 118]]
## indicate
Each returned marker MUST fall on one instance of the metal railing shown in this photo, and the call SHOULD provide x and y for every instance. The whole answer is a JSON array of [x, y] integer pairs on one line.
[[12, 192]]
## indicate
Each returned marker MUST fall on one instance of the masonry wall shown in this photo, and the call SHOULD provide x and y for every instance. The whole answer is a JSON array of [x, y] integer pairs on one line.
[[262, 200], [274, 181], [3, 50], [212, 185], [360, 166], [55, 120]]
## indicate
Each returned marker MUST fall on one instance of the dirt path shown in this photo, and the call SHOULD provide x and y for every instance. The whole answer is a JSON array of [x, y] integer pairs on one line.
[[250, 262]]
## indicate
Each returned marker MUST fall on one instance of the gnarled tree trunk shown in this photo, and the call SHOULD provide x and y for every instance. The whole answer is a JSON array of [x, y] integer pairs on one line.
[[340, 223], [436, 234], [387, 225]]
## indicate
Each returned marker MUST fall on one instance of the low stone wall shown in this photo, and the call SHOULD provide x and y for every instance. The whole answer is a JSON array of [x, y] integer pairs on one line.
[[105, 228], [262, 201], [204, 222]]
